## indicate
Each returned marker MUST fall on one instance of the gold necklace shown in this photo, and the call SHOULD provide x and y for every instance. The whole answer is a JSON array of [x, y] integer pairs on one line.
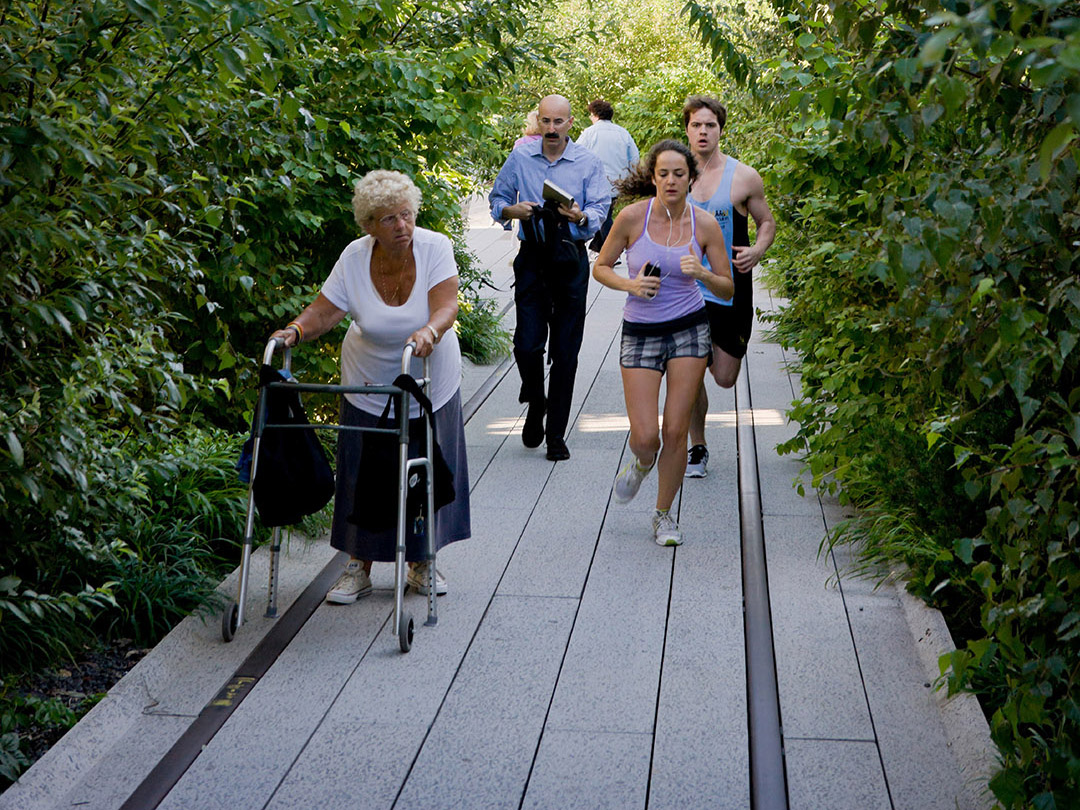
[[389, 299]]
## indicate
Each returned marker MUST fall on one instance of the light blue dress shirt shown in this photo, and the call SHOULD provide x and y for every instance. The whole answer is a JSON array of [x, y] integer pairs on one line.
[[577, 171], [613, 145]]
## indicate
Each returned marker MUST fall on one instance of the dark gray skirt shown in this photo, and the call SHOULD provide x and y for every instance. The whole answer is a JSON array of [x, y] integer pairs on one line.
[[452, 522]]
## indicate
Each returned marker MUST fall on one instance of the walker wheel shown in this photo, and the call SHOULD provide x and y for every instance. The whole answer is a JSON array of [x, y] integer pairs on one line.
[[229, 621], [405, 633]]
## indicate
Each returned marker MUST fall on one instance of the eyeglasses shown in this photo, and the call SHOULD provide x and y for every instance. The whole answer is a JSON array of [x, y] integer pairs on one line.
[[406, 216]]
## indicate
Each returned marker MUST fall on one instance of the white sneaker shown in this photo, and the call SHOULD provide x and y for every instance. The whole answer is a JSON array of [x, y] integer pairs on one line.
[[666, 530], [697, 459], [351, 585], [628, 481], [418, 578]]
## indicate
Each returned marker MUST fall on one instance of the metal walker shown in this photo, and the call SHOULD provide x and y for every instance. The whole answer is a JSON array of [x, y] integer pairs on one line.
[[233, 616]]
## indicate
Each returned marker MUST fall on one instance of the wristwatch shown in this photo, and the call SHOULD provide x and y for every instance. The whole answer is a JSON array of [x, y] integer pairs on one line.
[[584, 220]]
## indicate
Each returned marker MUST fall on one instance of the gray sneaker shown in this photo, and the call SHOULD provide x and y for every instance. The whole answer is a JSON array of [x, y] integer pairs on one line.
[[696, 461], [418, 579], [665, 529], [351, 585], [628, 481]]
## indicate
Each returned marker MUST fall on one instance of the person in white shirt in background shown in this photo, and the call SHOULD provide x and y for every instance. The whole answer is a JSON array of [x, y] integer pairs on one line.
[[617, 151]]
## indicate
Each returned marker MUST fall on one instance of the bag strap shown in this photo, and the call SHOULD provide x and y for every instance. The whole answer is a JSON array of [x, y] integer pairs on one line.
[[286, 402], [406, 382]]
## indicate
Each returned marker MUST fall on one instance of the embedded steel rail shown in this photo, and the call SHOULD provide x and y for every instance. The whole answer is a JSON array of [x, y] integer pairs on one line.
[[768, 784]]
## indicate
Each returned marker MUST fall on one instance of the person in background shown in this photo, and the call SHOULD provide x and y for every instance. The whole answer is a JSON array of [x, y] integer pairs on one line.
[[730, 191], [616, 149], [531, 131], [665, 329], [398, 283], [551, 269]]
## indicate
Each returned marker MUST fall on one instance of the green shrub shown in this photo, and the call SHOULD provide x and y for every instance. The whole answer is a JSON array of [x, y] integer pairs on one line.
[[923, 163], [20, 712], [38, 627]]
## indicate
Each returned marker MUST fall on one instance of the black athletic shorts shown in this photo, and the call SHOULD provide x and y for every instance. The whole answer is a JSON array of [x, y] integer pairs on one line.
[[731, 324]]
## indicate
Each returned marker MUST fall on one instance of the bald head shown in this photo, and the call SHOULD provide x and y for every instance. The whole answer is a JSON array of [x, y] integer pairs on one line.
[[553, 116], [557, 106]]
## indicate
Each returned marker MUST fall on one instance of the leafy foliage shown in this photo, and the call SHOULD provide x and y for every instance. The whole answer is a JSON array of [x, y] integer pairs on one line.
[[174, 183], [640, 56], [924, 163], [21, 711]]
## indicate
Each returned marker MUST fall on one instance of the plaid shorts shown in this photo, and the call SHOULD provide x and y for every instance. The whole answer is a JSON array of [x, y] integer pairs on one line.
[[654, 351]]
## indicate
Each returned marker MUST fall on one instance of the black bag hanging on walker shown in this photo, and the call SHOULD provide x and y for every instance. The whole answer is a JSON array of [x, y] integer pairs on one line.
[[293, 478], [375, 499]]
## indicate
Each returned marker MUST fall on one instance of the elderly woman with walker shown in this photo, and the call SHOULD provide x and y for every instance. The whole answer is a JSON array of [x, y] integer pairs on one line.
[[665, 331], [399, 284]]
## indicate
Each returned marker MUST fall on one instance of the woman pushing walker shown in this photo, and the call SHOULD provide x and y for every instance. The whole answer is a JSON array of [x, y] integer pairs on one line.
[[399, 283], [665, 329]]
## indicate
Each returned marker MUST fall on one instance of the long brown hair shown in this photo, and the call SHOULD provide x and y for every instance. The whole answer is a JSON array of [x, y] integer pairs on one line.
[[639, 183]]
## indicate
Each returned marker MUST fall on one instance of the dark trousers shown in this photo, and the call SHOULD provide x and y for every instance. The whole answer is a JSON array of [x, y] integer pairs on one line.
[[605, 228], [550, 300]]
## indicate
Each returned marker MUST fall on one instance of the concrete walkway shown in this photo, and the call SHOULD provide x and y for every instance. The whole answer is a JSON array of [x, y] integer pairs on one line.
[[575, 663]]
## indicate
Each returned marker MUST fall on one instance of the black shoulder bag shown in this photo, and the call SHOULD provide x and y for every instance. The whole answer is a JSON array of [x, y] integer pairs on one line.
[[294, 477]]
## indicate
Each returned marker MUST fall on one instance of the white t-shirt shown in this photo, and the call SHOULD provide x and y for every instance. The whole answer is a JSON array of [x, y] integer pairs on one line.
[[372, 349]]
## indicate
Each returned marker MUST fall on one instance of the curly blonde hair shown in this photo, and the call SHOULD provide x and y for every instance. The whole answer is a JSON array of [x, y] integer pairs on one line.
[[381, 189], [532, 125]]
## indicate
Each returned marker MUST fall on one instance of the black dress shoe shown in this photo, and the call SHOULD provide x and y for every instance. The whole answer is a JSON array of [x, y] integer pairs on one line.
[[557, 450], [533, 431]]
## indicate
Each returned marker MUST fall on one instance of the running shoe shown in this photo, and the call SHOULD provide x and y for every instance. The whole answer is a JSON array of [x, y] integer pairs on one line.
[[629, 479], [665, 529], [696, 461]]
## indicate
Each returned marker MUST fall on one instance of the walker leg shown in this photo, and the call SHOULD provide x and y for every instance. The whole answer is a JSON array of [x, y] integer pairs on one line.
[[429, 531], [235, 612], [272, 587], [403, 623]]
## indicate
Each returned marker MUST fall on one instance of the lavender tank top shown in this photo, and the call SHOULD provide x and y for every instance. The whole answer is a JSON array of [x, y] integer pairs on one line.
[[679, 294]]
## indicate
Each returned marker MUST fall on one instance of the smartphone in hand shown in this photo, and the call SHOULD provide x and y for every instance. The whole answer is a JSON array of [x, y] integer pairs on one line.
[[651, 269]]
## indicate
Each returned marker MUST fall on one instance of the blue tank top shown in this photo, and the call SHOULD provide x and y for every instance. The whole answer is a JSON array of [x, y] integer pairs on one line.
[[719, 205], [679, 294]]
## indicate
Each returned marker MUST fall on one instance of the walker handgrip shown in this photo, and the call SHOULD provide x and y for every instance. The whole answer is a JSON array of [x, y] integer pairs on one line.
[[271, 347], [407, 355]]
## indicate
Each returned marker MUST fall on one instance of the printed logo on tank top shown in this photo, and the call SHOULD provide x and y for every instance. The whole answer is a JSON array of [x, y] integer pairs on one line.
[[722, 216]]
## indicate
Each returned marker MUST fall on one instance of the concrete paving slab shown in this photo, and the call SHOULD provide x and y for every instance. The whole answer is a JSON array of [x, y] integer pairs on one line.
[[481, 747], [127, 761], [835, 774], [550, 536], [241, 765], [121, 739], [779, 496], [349, 764], [601, 771], [621, 619], [701, 719], [919, 763], [407, 690], [821, 689]]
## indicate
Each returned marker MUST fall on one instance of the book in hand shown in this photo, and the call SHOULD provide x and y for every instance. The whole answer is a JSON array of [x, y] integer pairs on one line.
[[553, 192]]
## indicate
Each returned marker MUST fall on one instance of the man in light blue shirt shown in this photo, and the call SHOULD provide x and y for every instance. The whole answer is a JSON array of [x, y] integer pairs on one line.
[[616, 149], [551, 270]]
